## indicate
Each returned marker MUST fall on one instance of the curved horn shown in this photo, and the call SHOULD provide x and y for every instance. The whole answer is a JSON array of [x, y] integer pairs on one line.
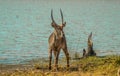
[[61, 15], [52, 16]]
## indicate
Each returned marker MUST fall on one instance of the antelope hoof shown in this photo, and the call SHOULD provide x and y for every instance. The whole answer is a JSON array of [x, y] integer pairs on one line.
[[49, 67], [68, 66], [56, 69]]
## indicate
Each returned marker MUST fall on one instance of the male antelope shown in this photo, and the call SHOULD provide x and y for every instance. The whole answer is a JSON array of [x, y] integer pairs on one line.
[[57, 41]]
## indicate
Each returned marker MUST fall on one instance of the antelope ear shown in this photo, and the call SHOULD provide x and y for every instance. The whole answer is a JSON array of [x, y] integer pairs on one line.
[[64, 24]]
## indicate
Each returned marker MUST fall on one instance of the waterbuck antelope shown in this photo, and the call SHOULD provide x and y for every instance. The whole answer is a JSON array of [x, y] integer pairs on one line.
[[57, 41]]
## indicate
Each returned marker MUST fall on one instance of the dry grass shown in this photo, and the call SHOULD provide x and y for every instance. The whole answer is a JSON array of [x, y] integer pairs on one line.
[[91, 66]]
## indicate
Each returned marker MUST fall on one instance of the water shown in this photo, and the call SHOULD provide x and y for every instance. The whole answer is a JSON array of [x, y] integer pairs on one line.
[[25, 27]]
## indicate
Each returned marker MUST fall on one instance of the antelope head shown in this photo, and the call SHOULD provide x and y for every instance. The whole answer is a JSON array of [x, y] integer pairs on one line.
[[58, 28]]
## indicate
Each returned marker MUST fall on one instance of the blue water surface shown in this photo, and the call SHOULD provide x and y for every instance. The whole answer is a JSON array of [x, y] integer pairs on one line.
[[25, 27]]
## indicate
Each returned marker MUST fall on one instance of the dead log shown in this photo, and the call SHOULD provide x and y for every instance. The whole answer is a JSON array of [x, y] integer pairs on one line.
[[90, 51]]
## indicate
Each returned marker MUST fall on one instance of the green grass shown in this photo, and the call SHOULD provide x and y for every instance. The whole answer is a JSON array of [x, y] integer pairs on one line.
[[90, 66], [102, 65]]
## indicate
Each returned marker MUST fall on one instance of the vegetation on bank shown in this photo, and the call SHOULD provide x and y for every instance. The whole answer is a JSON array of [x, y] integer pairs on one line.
[[90, 66]]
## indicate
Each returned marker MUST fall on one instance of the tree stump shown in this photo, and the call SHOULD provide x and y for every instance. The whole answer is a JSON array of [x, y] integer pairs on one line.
[[90, 51]]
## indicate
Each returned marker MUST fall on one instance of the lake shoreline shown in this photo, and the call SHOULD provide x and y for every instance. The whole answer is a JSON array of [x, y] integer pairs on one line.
[[105, 65]]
